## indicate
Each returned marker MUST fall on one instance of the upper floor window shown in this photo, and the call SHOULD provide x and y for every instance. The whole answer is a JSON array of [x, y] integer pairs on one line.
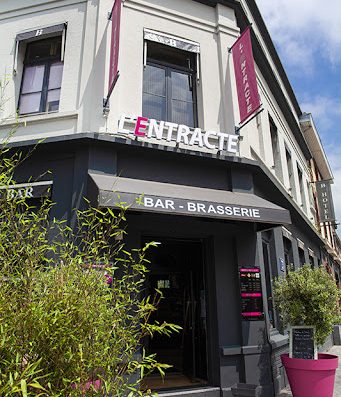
[[42, 76], [290, 173], [169, 85], [275, 149], [301, 185]]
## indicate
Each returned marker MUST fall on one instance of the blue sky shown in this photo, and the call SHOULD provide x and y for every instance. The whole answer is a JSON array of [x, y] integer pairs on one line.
[[307, 35]]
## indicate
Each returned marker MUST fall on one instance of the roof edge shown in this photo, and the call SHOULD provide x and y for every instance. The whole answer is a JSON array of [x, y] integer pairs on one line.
[[314, 142]]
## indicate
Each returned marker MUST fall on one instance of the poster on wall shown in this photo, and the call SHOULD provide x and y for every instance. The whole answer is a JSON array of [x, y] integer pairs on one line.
[[114, 46], [244, 69], [251, 293]]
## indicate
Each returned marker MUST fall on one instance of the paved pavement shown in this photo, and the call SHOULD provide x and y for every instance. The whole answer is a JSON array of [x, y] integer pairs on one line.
[[337, 388]]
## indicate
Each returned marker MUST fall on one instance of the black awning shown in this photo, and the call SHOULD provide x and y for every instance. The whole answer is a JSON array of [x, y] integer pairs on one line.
[[41, 33], [143, 195]]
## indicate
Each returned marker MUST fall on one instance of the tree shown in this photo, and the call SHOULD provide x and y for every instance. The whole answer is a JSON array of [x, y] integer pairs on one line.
[[73, 310], [308, 297]]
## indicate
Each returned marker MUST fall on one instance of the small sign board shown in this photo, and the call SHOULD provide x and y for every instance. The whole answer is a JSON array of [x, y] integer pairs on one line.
[[251, 293], [26, 190], [302, 342]]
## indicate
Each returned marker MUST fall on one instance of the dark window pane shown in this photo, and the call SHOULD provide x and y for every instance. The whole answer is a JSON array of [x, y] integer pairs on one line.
[[154, 107], [154, 80], [30, 103], [33, 79], [182, 113], [53, 100], [181, 88], [43, 49], [56, 73], [172, 56]]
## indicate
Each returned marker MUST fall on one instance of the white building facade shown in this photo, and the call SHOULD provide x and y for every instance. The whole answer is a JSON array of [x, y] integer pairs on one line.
[[175, 70]]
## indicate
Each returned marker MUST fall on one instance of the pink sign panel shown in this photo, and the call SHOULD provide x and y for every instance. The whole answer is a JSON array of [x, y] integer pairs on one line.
[[251, 293], [115, 44], [249, 270], [252, 314], [248, 97]]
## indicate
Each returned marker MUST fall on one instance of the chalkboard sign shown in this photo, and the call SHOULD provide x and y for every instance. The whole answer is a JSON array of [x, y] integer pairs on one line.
[[251, 293], [302, 343]]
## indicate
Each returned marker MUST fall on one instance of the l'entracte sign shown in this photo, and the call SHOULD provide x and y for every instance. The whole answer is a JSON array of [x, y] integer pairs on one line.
[[148, 129]]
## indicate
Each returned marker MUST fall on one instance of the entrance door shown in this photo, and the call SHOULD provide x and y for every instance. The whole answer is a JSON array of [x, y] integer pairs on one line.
[[177, 271]]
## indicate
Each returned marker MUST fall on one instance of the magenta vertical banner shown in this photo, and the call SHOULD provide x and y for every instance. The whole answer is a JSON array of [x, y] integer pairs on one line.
[[115, 44], [244, 68]]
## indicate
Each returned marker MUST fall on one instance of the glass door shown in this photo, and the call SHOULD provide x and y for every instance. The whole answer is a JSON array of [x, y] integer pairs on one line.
[[177, 271]]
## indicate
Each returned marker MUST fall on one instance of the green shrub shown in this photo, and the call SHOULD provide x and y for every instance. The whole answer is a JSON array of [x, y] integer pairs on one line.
[[308, 297], [62, 325]]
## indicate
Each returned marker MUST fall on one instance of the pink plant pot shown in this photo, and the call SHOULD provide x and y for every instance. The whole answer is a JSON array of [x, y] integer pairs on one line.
[[311, 378]]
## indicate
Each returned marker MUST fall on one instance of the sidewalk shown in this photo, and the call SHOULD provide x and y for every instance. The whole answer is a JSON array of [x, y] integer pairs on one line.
[[337, 389]]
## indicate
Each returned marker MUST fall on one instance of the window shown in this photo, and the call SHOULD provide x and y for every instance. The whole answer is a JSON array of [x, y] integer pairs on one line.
[[260, 135], [268, 278], [275, 149], [301, 185], [288, 255], [310, 195], [301, 256], [169, 81], [290, 173], [42, 77]]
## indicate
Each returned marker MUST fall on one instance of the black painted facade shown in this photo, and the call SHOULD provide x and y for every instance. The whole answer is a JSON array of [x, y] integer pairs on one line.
[[238, 351]]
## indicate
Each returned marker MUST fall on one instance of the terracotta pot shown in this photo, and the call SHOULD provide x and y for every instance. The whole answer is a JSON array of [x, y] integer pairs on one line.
[[311, 378]]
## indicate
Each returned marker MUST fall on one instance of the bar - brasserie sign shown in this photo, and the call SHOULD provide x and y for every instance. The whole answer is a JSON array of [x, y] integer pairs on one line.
[[178, 206]]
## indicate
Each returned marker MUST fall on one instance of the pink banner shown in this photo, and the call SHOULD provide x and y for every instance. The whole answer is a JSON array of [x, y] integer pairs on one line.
[[244, 69], [115, 44]]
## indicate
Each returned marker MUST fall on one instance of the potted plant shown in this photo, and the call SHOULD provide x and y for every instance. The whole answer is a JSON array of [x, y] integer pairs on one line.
[[73, 307], [309, 298]]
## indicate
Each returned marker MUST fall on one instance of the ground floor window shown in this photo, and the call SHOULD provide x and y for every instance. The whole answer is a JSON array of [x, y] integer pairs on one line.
[[268, 278], [288, 255]]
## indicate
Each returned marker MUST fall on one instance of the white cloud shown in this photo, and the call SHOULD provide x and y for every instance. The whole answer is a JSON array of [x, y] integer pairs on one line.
[[303, 28]]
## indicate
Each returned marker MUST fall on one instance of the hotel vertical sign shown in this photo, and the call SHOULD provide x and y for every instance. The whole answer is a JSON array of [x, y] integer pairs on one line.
[[248, 97], [325, 201]]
